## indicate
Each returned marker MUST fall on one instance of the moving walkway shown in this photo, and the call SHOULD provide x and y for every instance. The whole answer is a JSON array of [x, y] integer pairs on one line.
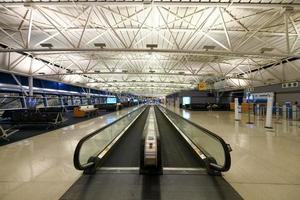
[[151, 153]]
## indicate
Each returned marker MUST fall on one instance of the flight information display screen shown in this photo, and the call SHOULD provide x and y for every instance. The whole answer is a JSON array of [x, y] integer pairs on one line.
[[111, 100], [186, 100]]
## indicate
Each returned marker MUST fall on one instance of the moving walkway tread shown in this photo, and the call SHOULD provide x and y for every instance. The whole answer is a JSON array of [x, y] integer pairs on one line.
[[126, 152], [175, 150]]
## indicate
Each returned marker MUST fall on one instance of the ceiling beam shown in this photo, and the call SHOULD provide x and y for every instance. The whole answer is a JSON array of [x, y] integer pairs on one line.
[[146, 3], [135, 50]]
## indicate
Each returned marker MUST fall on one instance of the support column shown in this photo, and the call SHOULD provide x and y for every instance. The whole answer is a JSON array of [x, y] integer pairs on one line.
[[269, 112], [30, 85]]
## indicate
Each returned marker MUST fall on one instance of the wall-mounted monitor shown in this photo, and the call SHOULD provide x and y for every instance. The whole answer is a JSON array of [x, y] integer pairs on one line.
[[111, 100], [186, 100], [135, 100]]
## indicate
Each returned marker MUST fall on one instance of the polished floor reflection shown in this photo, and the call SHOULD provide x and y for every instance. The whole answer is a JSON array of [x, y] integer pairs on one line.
[[265, 162]]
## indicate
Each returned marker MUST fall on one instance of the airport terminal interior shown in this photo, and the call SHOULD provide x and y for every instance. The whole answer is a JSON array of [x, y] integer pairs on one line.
[[149, 99]]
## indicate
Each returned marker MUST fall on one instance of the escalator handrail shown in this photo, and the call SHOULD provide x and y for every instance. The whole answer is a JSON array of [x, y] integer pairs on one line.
[[226, 147], [76, 159]]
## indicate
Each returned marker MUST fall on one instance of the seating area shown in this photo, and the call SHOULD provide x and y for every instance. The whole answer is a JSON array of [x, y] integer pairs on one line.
[[207, 106], [50, 116]]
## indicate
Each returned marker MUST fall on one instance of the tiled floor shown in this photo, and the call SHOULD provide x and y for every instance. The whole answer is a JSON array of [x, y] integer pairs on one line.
[[41, 167], [265, 163]]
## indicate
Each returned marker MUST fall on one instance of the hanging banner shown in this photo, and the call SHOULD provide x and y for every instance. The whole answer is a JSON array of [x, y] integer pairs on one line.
[[202, 86]]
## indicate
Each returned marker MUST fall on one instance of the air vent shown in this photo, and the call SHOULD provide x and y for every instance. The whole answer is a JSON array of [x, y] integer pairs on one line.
[[97, 71], [208, 47], [180, 72], [100, 45], [151, 46], [152, 71], [48, 45]]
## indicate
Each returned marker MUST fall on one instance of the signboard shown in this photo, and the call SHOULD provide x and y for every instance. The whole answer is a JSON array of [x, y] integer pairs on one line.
[[262, 97], [202, 86]]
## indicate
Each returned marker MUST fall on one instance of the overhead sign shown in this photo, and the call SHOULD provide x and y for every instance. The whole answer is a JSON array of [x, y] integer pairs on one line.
[[202, 86]]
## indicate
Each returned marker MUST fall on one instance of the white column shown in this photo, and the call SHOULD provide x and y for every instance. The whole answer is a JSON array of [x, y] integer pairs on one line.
[[269, 112], [236, 110]]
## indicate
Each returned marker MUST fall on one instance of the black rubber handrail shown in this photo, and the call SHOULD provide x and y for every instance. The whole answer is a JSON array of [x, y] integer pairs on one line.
[[85, 166], [226, 147]]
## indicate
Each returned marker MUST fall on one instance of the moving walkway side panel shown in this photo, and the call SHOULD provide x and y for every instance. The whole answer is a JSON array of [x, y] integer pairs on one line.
[[210, 147], [93, 147]]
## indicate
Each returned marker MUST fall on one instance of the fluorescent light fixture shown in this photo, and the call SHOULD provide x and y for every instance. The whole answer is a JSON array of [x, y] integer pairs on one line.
[[48, 45]]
